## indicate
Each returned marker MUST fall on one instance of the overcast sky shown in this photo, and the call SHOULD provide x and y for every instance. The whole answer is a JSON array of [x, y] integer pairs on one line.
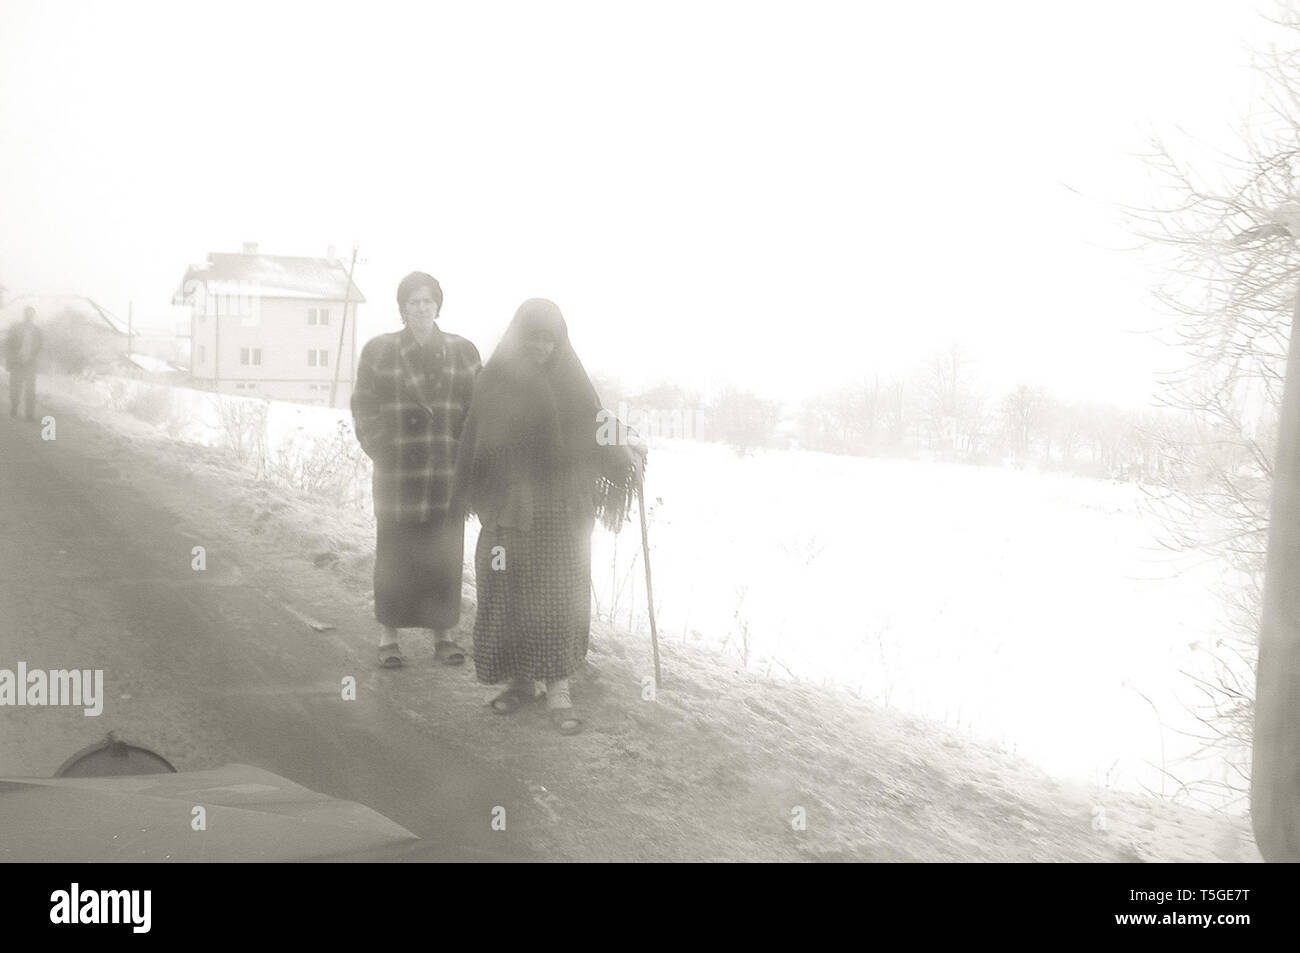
[[784, 195]]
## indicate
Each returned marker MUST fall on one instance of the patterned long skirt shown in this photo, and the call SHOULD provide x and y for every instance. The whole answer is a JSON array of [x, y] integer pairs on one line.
[[534, 597], [418, 570]]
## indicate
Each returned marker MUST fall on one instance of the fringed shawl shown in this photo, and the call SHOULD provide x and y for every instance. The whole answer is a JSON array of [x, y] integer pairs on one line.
[[534, 430]]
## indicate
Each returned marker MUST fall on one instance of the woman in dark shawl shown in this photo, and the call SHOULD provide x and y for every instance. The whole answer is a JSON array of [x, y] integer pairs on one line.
[[535, 466]]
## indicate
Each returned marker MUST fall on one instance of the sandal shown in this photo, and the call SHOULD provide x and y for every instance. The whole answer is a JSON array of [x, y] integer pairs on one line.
[[566, 721], [389, 656], [507, 703], [449, 653]]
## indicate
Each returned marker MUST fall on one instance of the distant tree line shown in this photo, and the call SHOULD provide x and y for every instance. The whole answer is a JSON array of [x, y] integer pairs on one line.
[[942, 412]]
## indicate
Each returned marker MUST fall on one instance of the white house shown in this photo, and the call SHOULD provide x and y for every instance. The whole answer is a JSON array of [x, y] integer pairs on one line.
[[272, 326]]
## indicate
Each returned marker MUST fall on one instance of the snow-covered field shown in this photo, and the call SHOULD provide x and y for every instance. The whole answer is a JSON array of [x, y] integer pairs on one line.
[[1036, 611]]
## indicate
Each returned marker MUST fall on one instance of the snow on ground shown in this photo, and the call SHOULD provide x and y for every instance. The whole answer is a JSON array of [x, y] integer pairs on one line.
[[1007, 606], [1033, 610]]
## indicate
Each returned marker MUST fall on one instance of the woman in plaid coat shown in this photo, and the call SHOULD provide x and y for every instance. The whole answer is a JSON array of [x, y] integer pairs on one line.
[[412, 395], [537, 466]]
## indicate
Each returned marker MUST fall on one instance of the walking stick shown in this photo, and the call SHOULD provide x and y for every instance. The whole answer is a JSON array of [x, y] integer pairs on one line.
[[649, 589]]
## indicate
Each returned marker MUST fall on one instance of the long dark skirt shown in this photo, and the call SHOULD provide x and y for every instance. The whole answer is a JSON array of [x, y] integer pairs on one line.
[[534, 612], [418, 569]]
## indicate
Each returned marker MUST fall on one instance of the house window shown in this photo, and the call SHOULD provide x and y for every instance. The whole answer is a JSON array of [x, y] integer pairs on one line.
[[318, 358], [250, 357], [318, 316]]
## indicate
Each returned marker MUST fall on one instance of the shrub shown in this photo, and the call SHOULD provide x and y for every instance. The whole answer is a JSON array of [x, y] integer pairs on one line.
[[152, 405]]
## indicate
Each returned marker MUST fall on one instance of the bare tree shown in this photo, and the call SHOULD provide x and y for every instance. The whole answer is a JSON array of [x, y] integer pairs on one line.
[[1227, 237], [855, 410], [743, 419], [1025, 412], [950, 406]]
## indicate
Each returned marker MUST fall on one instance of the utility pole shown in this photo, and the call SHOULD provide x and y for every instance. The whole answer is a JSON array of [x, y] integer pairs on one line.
[[338, 357], [216, 347]]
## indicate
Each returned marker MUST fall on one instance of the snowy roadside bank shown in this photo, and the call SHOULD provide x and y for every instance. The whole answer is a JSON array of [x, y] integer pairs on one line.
[[724, 761]]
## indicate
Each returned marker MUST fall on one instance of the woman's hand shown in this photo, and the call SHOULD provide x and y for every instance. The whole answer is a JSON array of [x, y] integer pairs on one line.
[[637, 443]]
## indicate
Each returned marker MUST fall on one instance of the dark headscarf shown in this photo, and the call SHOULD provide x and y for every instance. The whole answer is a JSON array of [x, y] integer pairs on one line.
[[533, 429]]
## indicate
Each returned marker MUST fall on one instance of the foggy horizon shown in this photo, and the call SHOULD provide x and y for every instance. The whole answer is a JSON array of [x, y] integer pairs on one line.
[[749, 178]]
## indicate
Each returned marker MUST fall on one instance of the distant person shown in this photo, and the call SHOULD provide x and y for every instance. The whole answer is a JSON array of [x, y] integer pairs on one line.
[[412, 393], [533, 468], [22, 347]]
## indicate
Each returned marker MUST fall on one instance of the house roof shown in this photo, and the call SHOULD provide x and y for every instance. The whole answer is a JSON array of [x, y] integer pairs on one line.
[[151, 364], [269, 276], [112, 320], [52, 305]]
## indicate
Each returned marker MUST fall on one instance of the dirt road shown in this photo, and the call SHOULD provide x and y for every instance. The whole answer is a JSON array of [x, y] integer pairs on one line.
[[208, 666]]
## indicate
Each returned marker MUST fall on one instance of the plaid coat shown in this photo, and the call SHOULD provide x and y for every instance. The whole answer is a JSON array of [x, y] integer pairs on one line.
[[408, 408]]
